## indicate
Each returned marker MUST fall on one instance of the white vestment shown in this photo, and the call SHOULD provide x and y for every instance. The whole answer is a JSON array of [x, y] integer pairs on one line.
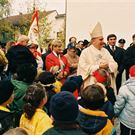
[[89, 62]]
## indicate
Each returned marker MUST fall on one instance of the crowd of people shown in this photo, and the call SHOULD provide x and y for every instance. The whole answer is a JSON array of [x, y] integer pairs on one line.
[[78, 90]]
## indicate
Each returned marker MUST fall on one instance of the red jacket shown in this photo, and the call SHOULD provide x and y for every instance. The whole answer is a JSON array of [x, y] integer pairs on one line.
[[52, 60]]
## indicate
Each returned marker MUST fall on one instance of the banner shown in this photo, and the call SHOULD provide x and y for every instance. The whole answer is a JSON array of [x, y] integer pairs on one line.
[[34, 29]]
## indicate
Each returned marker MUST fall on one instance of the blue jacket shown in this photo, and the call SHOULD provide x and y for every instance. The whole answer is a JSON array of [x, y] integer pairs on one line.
[[95, 122], [124, 106]]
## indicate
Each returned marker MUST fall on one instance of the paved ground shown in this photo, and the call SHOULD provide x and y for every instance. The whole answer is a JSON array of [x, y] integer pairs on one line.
[[116, 122], [117, 126]]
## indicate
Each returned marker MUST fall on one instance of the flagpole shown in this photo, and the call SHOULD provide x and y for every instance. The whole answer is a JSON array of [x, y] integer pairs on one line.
[[34, 5]]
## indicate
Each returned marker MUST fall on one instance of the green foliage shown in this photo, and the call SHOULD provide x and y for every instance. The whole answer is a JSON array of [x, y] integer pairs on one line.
[[5, 30], [24, 24], [21, 25], [4, 8], [44, 31], [61, 36]]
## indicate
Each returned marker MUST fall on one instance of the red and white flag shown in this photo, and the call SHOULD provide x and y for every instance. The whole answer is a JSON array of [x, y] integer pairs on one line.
[[34, 29]]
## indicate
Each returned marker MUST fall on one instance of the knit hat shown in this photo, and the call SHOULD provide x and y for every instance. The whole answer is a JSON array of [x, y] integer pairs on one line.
[[77, 80], [64, 107], [132, 71], [70, 86], [85, 42], [96, 31], [71, 46], [100, 78], [6, 90]]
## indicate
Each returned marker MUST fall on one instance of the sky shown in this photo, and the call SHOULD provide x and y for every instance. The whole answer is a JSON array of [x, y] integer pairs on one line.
[[115, 17], [23, 5]]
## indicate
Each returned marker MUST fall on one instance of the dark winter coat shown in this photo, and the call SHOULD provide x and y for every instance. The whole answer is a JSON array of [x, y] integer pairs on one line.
[[18, 55], [59, 131], [6, 121]]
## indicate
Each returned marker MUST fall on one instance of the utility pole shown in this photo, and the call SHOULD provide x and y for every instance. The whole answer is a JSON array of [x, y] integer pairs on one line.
[[34, 5], [65, 21]]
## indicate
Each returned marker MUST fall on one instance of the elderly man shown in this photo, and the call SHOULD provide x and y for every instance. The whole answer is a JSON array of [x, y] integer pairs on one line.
[[19, 54], [95, 57]]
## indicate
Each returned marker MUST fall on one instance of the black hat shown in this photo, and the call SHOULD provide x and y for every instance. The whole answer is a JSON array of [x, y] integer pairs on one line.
[[6, 90], [64, 107], [85, 42], [122, 41]]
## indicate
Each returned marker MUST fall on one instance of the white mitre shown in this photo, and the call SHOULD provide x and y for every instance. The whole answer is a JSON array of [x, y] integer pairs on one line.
[[96, 31]]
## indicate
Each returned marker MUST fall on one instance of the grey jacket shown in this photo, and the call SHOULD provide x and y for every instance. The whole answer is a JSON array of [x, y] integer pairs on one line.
[[124, 106]]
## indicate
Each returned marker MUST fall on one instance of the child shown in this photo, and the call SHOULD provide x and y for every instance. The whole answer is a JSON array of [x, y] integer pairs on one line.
[[73, 85], [102, 76], [6, 97], [91, 119], [124, 106], [26, 74], [34, 119], [64, 110], [48, 80]]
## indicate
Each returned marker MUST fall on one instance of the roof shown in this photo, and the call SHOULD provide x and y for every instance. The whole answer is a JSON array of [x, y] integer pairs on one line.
[[60, 16], [15, 19]]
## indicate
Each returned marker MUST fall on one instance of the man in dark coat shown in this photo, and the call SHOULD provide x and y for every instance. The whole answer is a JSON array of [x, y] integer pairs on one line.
[[118, 55], [129, 58], [19, 54]]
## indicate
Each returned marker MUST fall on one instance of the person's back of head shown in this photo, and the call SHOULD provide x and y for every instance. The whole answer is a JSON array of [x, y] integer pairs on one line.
[[26, 73], [16, 131], [73, 85], [102, 76], [132, 71], [93, 97], [70, 86], [46, 78], [64, 107], [33, 99], [6, 92]]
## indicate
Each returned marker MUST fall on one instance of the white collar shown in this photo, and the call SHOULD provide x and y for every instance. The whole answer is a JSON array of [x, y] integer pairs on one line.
[[111, 47], [57, 55]]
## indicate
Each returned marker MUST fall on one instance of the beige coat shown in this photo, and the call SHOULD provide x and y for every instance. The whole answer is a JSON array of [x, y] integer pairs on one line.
[[73, 61], [89, 62]]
